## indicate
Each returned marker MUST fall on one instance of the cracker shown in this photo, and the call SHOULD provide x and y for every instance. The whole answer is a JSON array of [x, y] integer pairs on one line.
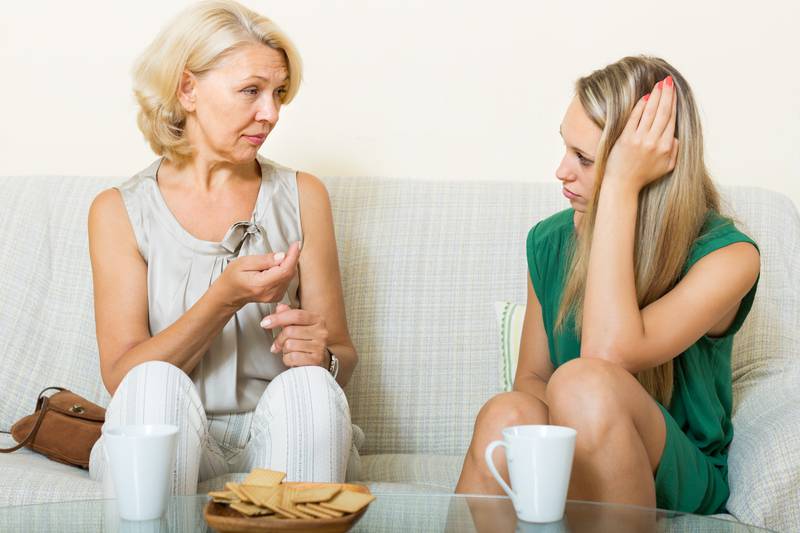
[[223, 495], [264, 478], [257, 494], [313, 512], [304, 514], [349, 502], [331, 513], [263, 492], [281, 512], [226, 501], [234, 487], [274, 503], [277, 495], [287, 505], [249, 510], [316, 495]]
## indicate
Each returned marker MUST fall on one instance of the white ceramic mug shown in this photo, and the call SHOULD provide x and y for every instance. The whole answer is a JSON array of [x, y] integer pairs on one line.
[[539, 463], [141, 459]]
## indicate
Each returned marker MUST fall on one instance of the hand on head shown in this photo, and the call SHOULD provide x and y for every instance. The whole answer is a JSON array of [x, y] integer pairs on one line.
[[647, 149]]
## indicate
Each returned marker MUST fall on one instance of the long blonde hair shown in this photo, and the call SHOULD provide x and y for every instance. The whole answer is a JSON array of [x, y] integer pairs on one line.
[[196, 40], [671, 210]]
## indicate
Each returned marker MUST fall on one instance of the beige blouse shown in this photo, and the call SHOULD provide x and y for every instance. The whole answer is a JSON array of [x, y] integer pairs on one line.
[[237, 367]]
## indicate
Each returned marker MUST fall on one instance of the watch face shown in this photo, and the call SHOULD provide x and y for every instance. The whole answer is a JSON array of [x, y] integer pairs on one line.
[[334, 368]]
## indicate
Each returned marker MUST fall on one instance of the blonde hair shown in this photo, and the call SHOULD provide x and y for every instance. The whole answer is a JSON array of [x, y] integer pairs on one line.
[[671, 210], [197, 40]]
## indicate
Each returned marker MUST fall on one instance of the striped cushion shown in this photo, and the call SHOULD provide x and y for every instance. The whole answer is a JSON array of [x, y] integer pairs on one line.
[[509, 321]]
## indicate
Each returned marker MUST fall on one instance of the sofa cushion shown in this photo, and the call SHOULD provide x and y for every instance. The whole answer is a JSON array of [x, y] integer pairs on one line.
[[47, 333], [30, 478], [434, 472], [27, 477], [764, 459]]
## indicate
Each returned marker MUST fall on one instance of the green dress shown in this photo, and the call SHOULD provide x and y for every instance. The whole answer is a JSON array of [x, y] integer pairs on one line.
[[692, 475]]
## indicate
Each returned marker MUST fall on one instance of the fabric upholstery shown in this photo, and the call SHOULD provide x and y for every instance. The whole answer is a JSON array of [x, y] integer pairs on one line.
[[434, 472], [422, 264]]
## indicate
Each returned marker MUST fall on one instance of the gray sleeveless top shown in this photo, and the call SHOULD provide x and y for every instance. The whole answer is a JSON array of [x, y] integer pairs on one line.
[[237, 367]]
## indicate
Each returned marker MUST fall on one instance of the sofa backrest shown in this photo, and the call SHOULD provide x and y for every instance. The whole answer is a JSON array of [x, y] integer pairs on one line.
[[422, 264], [46, 310], [424, 261]]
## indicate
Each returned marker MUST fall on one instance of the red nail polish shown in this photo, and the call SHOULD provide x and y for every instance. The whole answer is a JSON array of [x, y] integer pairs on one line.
[[660, 84], [669, 81], [646, 97]]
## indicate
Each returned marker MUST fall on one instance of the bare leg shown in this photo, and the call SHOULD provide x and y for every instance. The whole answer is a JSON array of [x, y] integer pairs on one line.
[[502, 411], [621, 431], [492, 515], [592, 518]]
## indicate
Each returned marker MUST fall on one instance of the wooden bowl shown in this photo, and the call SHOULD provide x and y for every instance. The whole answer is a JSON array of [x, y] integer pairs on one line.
[[226, 520]]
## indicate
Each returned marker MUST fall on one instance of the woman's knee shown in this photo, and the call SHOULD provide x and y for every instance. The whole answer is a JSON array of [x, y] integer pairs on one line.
[[161, 393], [583, 394], [302, 376], [157, 371], [509, 409], [309, 388], [304, 379]]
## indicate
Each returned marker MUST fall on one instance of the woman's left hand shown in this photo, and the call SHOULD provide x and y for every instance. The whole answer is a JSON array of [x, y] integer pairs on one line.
[[304, 338], [647, 149]]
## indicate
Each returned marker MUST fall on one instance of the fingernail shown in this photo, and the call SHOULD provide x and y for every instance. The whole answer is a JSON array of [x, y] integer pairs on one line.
[[279, 256], [660, 84], [299, 245], [669, 81], [266, 322], [272, 348], [646, 97]]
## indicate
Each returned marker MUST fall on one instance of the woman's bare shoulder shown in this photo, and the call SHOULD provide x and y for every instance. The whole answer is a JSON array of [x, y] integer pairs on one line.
[[311, 187], [106, 206], [108, 220]]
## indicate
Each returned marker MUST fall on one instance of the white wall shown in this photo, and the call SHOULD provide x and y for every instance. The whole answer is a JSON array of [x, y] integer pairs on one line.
[[445, 89]]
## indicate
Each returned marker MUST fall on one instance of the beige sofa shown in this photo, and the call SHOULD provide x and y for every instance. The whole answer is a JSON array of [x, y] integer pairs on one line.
[[422, 263]]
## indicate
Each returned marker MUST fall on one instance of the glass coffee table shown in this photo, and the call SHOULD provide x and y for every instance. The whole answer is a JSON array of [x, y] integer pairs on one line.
[[390, 512]]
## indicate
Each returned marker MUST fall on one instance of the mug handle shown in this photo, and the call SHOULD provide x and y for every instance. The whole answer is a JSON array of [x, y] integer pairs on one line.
[[488, 456]]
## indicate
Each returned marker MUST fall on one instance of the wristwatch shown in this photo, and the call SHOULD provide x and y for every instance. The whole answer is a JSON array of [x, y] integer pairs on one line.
[[334, 367]]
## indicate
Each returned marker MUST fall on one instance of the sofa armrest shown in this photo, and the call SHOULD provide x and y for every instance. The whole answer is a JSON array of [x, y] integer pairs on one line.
[[764, 457]]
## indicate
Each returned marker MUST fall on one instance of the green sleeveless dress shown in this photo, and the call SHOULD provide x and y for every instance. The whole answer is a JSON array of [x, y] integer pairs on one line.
[[692, 475]]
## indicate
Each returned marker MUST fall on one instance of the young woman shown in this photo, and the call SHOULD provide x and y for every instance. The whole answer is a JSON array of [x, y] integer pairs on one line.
[[208, 315], [634, 295]]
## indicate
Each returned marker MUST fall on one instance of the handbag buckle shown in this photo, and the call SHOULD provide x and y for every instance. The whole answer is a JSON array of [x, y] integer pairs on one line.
[[77, 409]]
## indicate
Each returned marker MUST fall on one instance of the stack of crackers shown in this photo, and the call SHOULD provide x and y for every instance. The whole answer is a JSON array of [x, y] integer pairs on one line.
[[263, 493]]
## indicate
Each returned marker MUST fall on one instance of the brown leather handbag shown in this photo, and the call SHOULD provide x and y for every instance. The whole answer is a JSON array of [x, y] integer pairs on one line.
[[64, 427]]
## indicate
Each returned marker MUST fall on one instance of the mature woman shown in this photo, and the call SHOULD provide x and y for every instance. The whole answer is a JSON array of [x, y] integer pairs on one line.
[[634, 295], [208, 314]]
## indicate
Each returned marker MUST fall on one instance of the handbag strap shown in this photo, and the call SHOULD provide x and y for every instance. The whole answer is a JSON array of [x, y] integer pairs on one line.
[[41, 406], [42, 397]]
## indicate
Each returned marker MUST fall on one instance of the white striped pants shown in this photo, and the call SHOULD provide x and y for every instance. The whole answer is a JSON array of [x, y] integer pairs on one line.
[[300, 426]]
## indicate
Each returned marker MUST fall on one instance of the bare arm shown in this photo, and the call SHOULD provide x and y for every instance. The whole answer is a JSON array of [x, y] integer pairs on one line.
[[120, 295], [534, 367], [706, 299], [321, 321]]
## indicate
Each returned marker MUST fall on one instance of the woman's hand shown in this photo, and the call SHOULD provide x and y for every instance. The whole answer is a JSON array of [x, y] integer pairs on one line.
[[647, 149], [257, 278], [304, 338]]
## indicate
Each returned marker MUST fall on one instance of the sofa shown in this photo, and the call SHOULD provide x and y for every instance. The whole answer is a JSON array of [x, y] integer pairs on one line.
[[423, 263]]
